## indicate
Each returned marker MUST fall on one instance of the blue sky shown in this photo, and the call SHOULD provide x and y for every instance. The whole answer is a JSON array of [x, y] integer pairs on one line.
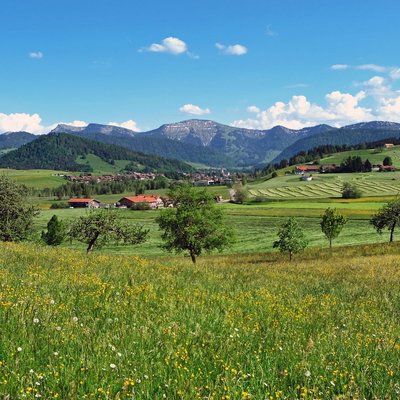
[[254, 64]]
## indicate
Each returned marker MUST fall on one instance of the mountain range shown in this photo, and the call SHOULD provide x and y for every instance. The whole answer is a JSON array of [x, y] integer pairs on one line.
[[213, 144]]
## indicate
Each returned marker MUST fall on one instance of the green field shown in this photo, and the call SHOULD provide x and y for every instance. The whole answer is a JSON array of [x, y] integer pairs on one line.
[[326, 185], [100, 166], [255, 225], [230, 327], [35, 178], [374, 156]]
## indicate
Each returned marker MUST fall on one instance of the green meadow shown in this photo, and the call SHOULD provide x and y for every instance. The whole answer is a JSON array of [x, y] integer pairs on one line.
[[232, 327], [373, 155]]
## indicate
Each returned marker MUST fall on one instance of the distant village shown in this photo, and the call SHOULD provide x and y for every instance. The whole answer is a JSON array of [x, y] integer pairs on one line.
[[143, 202], [221, 177]]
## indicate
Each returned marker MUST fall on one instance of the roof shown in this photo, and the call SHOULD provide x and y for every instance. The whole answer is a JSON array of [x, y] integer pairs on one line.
[[308, 167], [81, 200], [142, 198]]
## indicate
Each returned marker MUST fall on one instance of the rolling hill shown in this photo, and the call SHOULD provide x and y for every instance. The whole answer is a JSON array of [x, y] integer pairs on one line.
[[346, 135], [61, 151], [13, 140]]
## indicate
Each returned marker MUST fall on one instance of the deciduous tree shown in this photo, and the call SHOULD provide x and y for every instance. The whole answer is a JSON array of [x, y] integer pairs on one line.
[[291, 238], [388, 217], [100, 227], [332, 224], [16, 214], [196, 224]]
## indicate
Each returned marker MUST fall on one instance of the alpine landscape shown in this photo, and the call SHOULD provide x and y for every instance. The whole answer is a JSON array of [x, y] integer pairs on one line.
[[199, 200]]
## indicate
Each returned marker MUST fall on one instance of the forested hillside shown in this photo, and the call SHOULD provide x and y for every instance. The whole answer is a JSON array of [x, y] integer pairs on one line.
[[60, 151]]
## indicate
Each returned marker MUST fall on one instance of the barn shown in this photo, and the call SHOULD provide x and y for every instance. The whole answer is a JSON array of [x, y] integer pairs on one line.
[[153, 201], [84, 203]]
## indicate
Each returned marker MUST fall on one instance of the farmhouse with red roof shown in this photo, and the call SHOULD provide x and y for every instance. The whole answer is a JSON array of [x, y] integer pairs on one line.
[[302, 169], [153, 201]]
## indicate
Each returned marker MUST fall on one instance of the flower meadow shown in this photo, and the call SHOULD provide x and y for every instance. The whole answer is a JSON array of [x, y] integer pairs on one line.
[[325, 326]]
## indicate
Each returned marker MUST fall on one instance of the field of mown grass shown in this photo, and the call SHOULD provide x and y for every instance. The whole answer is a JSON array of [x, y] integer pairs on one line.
[[242, 327], [325, 185], [255, 226]]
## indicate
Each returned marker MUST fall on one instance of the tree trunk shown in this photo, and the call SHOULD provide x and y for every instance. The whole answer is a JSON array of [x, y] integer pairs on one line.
[[392, 232], [193, 256], [290, 256], [92, 243], [330, 243]]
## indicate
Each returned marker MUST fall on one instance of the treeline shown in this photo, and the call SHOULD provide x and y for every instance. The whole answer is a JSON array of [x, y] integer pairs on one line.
[[316, 153], [60, 151], [89, 189]]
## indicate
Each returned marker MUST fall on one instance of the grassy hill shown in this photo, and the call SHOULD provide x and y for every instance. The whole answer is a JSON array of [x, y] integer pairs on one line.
[[326, 185], [373, 155], [61, 151], [247, 327]]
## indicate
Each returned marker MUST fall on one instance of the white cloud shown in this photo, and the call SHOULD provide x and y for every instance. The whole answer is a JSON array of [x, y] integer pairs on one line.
[[232, 50], [338, 67], [299, 112], [390, 109], [130, 124], [36, 54], [394, 73], [170, 45], [194, 110], [20, 122], [30, 123], [253, 109], [371, 67]]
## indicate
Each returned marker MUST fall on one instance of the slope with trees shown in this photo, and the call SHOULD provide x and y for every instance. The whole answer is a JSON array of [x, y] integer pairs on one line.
[[60, 151]]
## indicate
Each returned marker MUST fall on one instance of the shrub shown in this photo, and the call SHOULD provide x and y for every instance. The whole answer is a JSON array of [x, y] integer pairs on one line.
[[140, 206], [59, 204], [351, 191]]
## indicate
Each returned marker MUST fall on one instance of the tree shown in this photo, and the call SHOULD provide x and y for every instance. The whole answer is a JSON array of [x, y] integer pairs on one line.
[[387, 217], [56, 232], [99, 227], [239, 194], [332, 224], [16, 214], [196, 224], [291, 238], [350, 191], [367, 166], [387, 161]]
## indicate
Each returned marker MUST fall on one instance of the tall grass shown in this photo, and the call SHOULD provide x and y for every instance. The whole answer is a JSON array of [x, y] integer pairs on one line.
[[243, 327]]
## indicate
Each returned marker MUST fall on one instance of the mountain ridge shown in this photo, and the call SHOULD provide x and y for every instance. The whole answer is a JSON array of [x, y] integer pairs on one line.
[[211, 143]]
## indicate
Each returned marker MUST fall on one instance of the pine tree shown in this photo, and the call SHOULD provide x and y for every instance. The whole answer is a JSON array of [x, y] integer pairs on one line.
[[56, 232]]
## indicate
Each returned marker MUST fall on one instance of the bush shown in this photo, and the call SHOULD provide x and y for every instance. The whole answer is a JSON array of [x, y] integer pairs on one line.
[[259, 199], [60, 204], [351, 191], [140, 206], [56, 232]]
